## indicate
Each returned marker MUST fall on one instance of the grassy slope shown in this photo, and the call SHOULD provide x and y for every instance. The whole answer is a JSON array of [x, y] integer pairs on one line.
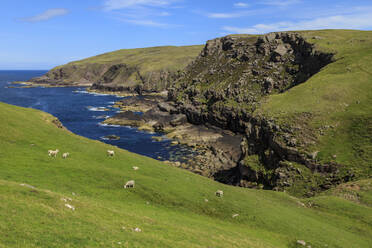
[[147, 59], [176, 216], [339, 96]]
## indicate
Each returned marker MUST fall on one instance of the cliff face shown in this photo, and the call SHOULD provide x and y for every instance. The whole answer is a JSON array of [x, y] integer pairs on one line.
[[82, 75], [240, 70], [225, 86], [121, 77], [142, 70]]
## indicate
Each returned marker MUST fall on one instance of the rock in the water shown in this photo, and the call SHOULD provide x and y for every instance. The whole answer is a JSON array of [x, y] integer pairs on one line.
[[111, 137]]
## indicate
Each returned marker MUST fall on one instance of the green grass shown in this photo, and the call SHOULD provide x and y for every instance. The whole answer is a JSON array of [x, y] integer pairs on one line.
[[146, 59], [154, 67], [340, 96], [167, 203]]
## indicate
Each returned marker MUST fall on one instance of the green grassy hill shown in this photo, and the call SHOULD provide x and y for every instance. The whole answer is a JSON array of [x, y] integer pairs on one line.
[[152, 68], [168, 204], [147, 59]]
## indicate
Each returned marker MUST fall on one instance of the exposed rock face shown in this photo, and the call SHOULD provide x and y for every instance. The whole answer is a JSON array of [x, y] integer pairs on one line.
[[122, 77], [223, 87], [83, 75], [117, 77], [244, 68], [150, 69]]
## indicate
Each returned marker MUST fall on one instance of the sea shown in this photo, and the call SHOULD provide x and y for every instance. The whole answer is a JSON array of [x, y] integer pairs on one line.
[[82, 112]]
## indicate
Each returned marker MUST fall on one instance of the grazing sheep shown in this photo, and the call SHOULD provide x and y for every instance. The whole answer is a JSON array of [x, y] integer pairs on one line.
[[110, 153], [135, 168], [137, 229], [235, 215], [129, 184], [65, 155], [70, 207], [219, 193], [52, 153], [27, 185]]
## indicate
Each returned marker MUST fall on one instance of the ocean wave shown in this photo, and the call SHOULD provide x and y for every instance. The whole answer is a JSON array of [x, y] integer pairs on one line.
[[97, 109], [101, 117], [91, 93], [81, 91], [107, 125], [99, 94]]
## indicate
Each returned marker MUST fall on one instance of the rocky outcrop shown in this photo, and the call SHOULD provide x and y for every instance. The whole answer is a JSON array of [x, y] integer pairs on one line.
[[121, 77], [224, 86], [74, 75], [245, 68], [115, 78]]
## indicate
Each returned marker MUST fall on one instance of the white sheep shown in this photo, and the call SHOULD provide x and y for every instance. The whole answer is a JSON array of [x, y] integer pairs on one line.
[[129, 184], [70, 207], [52, 153], [110, 153], [219, 193], [65, 155], [135, 168]]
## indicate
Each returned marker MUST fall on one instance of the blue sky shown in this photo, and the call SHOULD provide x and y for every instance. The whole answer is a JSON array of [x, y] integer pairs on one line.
[[40, 34]]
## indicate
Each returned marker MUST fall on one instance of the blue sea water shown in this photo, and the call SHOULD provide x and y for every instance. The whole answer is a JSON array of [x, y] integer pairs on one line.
[[82, 112]]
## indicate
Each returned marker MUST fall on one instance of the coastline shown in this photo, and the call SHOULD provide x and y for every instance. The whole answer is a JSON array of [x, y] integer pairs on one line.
[[218, 150]]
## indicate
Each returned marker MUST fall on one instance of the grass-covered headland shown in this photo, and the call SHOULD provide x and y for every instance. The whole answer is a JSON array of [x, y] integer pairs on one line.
[[169, 207]]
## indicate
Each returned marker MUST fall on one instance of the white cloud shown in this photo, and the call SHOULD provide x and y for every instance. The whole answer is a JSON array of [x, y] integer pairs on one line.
[[46, 15], [352, 21], [148, 23], [241, 5], [281, 3], [225, 15], [140, 12], [238, 30], [124, 4]]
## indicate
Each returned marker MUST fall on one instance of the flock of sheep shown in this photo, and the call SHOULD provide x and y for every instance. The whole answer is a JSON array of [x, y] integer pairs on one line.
[[52, 153], [111, 153]]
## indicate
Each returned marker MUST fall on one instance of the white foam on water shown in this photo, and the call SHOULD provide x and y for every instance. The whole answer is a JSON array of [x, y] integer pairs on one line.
[[107, 125], [98, 94], [101, 117], [91, 93], [98, 109], [81, 91]]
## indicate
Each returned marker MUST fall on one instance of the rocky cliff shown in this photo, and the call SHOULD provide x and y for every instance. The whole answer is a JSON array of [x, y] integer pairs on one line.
[[142, 70], [225, 86]]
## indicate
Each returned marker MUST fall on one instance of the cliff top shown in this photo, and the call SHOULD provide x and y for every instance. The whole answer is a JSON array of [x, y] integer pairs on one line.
[[147, 59]]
